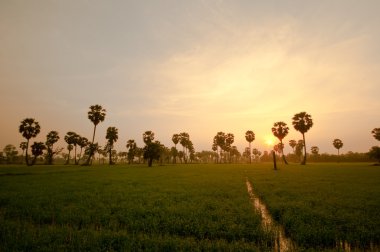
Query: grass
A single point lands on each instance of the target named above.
(185, 207)
(127, 208)
(322, 204)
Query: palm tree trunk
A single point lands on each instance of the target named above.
(282, 152)
(75, 154)
(26, 152)
(250, 155)
(274, 160)
(68, 158)
(304, 148)
(110, 156)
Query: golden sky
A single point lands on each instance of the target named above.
(194, 66)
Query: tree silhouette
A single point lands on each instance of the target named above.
(10, 153)
(152, 151)
(82, 142)
(175, 140)
(314, 150)
(293, 144)
(230, 138)
(69, 148)
(184, 140)
(51, 138)
(376, 133)
(132, 147)
(374, 153)
(302, 122)
(220, 141)
(148, 136)
(72, 138)
(96, 115)
(29, 128)
(281, 130)
(250, 137)
(37, 150)
(338, 144)
(111, 136)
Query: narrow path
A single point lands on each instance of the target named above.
(282, 243)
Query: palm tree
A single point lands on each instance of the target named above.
(82, 142)
(152, 151)
(250, 137)
(148, 136)
(230, 138)
(314, 150)
(280, 130)
(96, 115)
(302, 122)
(131, 146)
(29, 128)
(293, 144)
(111, 136)
(51, 138)
(184, 139)
(338, 144)
(175, 140)
(376, 133)
(220, 141)
(37, 150)
(73, 139)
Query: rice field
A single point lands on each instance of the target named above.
(186, 207)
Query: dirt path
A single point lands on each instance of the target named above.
(282, 243)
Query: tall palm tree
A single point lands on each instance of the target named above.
(184, 139)
(96, 115)
(111, 136)
(230, 138)
(29, 128)
(376, 133)
(51, 138)
(302, 122)
(175, 140)
(338, 144)
(280, 130)
(250, 137)
(220, 141)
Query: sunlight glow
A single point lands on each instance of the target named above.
(270, 140)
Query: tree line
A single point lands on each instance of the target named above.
(223, 150)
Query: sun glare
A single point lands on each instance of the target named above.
(269, 140)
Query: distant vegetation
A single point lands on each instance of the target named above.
(222, 148)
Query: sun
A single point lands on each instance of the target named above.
(270, 140)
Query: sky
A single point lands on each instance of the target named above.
(192, 66)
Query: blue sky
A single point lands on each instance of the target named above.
(194, 66)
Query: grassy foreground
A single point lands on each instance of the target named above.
(118, 208)
(185, 207)
(321, 205)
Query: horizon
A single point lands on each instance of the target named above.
(197, 67)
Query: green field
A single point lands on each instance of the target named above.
(186, 207)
